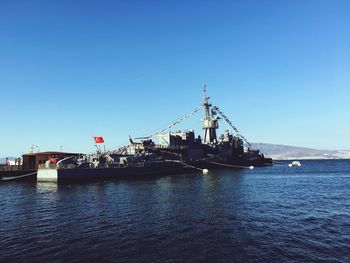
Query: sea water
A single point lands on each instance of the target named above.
(271, 214)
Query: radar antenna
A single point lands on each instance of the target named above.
(205, 98)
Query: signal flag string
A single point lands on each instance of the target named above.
(185, 117)
(232, 126)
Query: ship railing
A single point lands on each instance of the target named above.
(72, 166)
(55, 166)
(9, 168)
(66, 166)
(173, 147)
(141, 164)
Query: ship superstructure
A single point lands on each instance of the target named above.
(228, 148)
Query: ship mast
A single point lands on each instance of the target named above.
(209, 123)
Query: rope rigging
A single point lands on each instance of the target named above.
(185, 117)
(159, 131)
(232, 126)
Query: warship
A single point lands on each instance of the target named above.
(175, 152)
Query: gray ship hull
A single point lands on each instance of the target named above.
(83, 174)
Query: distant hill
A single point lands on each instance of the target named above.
(286, 152)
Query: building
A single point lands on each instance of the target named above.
(33, 160)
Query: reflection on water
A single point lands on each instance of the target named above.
(44, 187)
(270, 214)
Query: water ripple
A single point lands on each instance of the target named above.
(271, 214)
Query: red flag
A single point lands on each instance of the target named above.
(52, 160)
(98, 139)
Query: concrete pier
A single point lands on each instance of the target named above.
(47, 175)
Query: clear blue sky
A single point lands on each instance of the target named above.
(73, 69)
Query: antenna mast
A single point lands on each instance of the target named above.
(209, 123)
